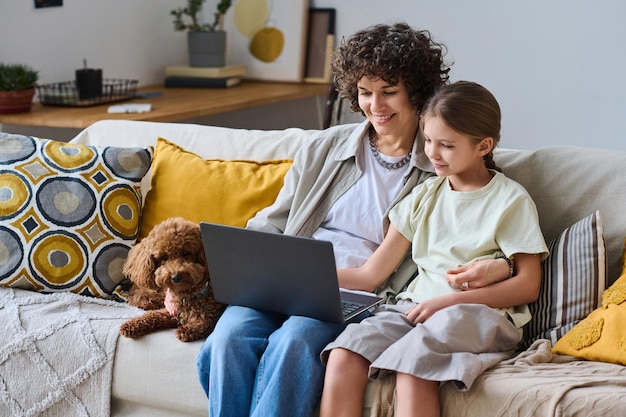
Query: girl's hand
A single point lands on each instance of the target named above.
(478, 274)
(379, 266)
(421, 312)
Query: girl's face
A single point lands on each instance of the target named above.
(387, 107)
(452, 154)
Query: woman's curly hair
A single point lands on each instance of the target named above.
(393, 53)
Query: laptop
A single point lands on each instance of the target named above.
(285, 274)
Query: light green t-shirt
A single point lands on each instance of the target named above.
(449, 228)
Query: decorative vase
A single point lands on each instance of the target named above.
(17, 101)
(207, 49)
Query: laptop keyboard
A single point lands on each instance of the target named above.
(349, 307)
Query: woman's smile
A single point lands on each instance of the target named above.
(382, 119)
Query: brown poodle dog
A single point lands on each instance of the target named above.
(171, 258)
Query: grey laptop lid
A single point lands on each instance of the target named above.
(275, 272)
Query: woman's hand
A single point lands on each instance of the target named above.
(169, 303)
(492, 287)
(478, 274)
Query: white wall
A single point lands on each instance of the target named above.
(127, 39)
(556, 66)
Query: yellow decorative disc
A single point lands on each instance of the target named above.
(68, 156)
(14, 194)
(250, 15)
(58, 260)
(267, 44)
(120, 211)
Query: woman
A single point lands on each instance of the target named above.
(341, 185)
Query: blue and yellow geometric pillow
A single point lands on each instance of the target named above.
(68, 214)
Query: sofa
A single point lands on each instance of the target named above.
(580, 195)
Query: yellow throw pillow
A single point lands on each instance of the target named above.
(217, 191)
(601, 336)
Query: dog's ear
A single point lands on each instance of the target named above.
(194, 235)
(139, 266)
(202, 257)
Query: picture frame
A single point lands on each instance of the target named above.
(48, 3)
(320, 45)
(269, 38)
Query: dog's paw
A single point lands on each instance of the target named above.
(184, 335)
(129, 330)
(190, 334)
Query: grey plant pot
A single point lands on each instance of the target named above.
(207, 49)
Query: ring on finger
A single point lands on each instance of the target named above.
(465, 285)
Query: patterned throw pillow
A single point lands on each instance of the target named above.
(68, 214)
(574, 277)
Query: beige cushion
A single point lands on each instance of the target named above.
(569, 183)
(158, 370)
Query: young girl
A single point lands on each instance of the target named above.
(440, 331)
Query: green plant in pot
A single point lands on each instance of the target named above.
(17, 87)
(206, 41)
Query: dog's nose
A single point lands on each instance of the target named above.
(176, 278)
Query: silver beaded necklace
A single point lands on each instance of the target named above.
(380, 160)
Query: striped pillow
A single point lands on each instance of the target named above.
(574, 277)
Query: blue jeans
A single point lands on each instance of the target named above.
(263, 364)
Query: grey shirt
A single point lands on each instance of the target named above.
(323, 169)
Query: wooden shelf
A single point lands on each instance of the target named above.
(175, 104)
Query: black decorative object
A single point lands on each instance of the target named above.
(66, 93)
(88, 82)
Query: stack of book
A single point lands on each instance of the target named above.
(196, 77)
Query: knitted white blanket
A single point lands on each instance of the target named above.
(56, 353)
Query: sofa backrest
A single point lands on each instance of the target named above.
(567, 183)
(209, 142)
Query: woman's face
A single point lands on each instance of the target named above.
(387, 107)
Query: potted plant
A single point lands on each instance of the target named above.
(17, 87)
(206, 41)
